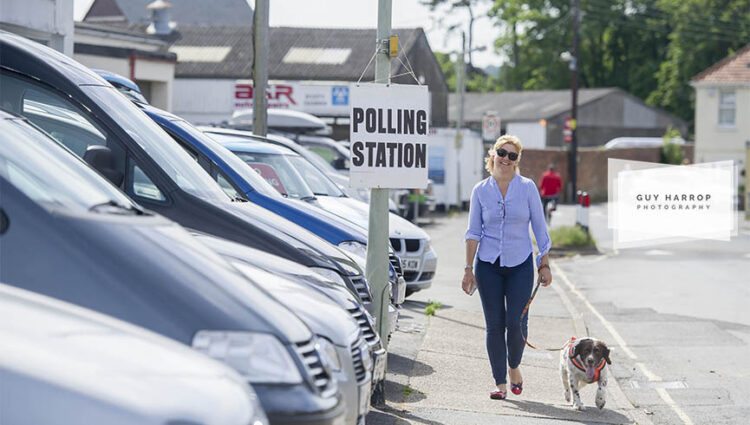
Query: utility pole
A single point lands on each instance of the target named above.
(260, 68)
(460, 93)
(377, 233)
(573, 159)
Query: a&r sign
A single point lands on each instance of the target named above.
(389, 133)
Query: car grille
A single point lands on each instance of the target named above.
(396, 244)
(410, 276)
(321, 379)
(358, 313)
(396, 262)
(360, 284)
(359, 368)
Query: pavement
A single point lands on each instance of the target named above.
(438, 370)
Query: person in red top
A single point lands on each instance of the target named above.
(549, 188)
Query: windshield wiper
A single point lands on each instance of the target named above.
(112, 207)
(238, 199)
(307, 198)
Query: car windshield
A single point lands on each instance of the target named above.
(278, 172)
(170, 157)
(42, 169)
(236, 164)
(320, 184)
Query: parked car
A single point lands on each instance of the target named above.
(234, 252)
(66, 365)
(339, 334)
(340, 179)
(298, 178)
(86, 114)
(104, 252)
(640, 142)
(240, 181)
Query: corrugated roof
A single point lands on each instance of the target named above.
(295, 53)
(184, 12)
(734, 69)
(360, 42)
(233, 43)
(522, 105)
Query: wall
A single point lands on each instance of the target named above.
(532, 134)
(203, 100)
(592, 165)
(47, 21)
(714, 143)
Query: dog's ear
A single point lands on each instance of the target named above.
(579, 346)
(605, 352)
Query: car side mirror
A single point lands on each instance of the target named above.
(102, 160)
(339, 163)
(4, 222)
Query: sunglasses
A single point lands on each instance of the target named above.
(511, 155)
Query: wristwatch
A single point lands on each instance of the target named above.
(468, 266)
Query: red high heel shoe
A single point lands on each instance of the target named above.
(516, 389)
(498, 395)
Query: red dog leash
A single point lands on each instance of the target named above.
(525, 312)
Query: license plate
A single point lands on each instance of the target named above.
(410, 264)
(364, 398)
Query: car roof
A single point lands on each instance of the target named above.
(252, 146)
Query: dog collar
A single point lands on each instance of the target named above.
(577, 363)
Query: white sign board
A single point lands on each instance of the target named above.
(389, 130)
(316, 99)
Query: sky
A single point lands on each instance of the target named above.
(363, 14)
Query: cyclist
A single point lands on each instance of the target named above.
(549, 188)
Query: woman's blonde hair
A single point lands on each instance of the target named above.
(502, 140)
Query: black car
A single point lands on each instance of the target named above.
(65, 232)
(80, 110)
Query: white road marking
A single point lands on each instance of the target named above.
(620, 340)
(623, 345)
(657, 252)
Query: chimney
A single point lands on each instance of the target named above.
(160, 17)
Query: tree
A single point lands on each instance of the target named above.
(469, 5)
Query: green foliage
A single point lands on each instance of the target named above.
(476, 81)
(570, 237)
(432, 307)
(671, 153)
(650, 48)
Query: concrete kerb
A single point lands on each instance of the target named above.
(579, 324)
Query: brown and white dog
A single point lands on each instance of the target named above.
(583, 361)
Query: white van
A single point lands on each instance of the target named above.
(64, 365)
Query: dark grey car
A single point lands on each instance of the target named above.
(66, 232)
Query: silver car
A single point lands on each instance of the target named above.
(65, 365)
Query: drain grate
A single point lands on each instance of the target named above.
(658, 384)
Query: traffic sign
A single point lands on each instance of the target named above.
(490, 126)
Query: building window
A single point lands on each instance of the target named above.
(727, 107)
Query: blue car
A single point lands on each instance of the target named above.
(240, 181)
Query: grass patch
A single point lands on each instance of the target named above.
(407, 391)
(571, 237)
(432, 307)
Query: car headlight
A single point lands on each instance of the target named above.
(329, 275)
(354, 247)
(327, 348)
(259, 358)
(426, 245)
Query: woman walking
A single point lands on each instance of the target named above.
(502, 206)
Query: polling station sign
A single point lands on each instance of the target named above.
(389, 132)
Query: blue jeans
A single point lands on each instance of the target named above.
(504, 292)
